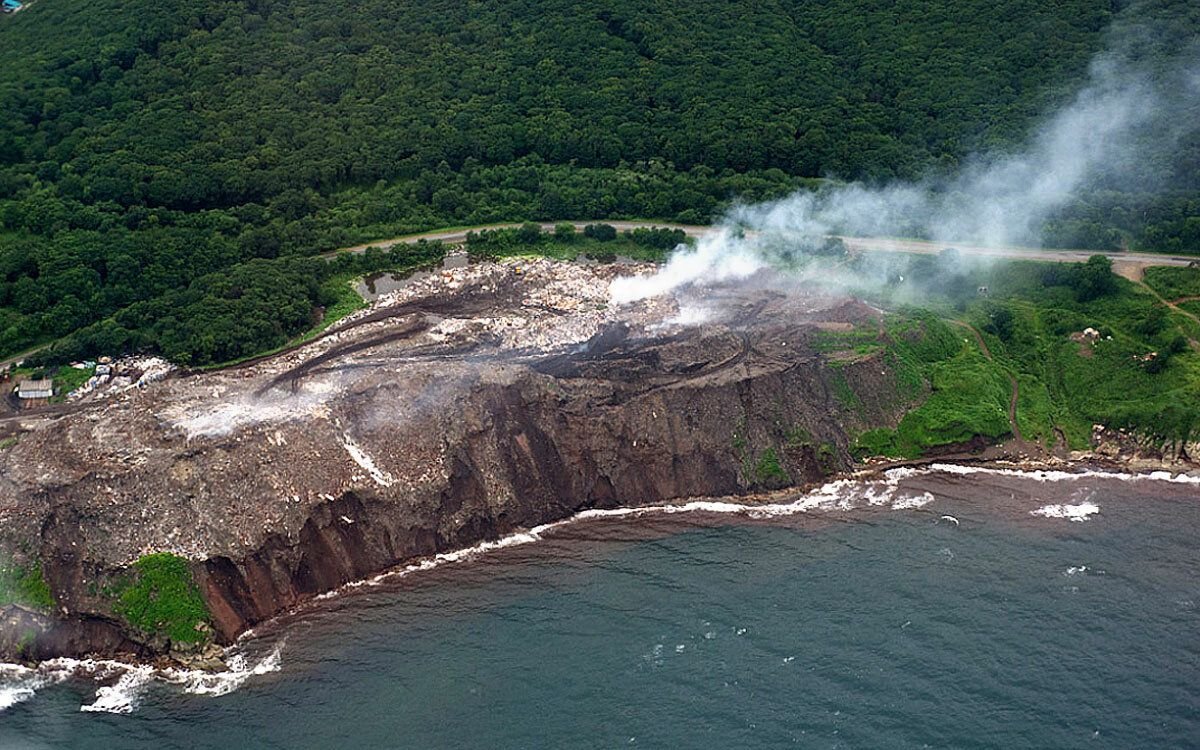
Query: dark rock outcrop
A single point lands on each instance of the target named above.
(280, 484)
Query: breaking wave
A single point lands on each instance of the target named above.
(18, 683)
(1077, 513)
(124, 684)
(839, 495)
(1053, 475)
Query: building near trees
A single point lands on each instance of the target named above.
(33, 391)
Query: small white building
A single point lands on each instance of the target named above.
(28, 390)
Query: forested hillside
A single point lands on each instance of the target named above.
(146, 145)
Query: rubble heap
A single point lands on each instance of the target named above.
(468, 404)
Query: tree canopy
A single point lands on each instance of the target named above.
(146, 145)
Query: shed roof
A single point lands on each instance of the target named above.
(28, 386)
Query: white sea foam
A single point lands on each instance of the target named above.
(838, 495)
(11, 695)
(1077, 513)
(1075, 570)
(915, 501)
(129, 681)
(196, 682)
(1048, 475)
(19, 683)
(123, 696)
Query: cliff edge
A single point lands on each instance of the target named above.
(470, 403)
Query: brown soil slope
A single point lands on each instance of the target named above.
(487, 399)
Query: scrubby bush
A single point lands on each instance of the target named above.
(162, 599)
(601, 232)
(529, 233)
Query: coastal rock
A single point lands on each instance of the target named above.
(426, 424)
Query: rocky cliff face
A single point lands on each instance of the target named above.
(460, 409)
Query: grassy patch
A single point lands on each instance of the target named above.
(25, 586)
(162, 599)
(843, 392)
(9, 442)
(969, 398)
(827, 458)
(968, 395)
(1028, 320)
(881, 441)
(798, 437)
(67, 379)
(863, 340)
(768, 470)
(344, 299)
(1173, 283)
(1027, 317)
(1035, 410)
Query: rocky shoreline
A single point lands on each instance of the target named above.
(486, 400)
(211, 656)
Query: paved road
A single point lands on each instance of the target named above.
(1130, 265)
(5, 364)
(1122, 261)
(455, 236)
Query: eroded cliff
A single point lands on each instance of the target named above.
(465, 406)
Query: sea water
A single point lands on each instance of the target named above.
(945, 609)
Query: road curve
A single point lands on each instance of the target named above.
(1122, 261)
(455, 236)
(1130, 265)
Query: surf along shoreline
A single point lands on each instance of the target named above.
(1015, 455)
(120, 682)
(1015, 458)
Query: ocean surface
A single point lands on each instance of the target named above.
(945, 609)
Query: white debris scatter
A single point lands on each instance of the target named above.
(382, 478)
(122, 375)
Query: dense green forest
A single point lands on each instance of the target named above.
(160, 157)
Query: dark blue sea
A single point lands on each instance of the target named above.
(996, 611)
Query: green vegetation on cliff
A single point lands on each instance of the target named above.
(166, 165)
(968, 394)
(1136, 368)
(25, 586)
(160, 598)
(769, 470)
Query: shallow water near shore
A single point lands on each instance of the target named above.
(1008, 611)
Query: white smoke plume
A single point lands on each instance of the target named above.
(995, 200)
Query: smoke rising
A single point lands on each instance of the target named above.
(1126, 114)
